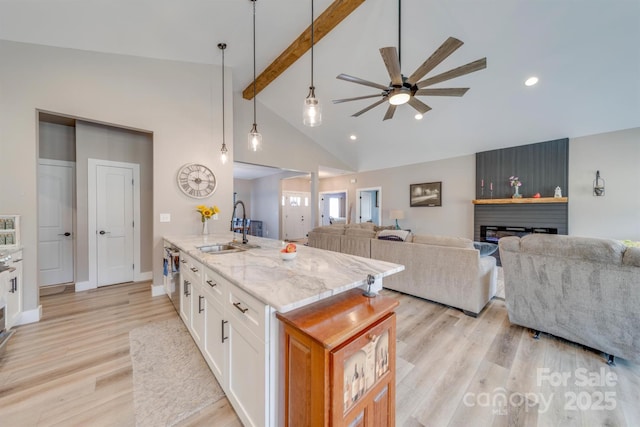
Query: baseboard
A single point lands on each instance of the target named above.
(157, 290)
(143, 277)
(84, 286)
(31, 316)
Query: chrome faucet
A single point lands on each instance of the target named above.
(244, 220)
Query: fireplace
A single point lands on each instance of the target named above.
(493, 233)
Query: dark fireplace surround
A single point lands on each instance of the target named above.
(541, 168)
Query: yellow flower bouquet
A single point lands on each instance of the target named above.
(207, 212)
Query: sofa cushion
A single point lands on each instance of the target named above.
(454, 242)
(395, 235)
(361, 225)
(359, 232)
(584, 248)
(330, 229)
(485, 248)
(384, 227)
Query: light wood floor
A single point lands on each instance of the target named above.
(73, 368)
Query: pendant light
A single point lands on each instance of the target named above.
(223, 151)
(255, 139)
(312, 111)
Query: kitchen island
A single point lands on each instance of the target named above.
(229, 303)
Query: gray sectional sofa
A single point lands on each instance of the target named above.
(585, 290)
(448, 270)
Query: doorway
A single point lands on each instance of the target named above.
(369, 205)
(333, 207)
(296, 214)
(56, 233)
(114, 218)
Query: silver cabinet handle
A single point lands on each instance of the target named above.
(200, 308)
(210, 283)
(186, 288)
(195, 270)
(223, 337)
(184, 261)
(237, 305)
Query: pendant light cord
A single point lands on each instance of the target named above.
(399, 34)
(222, 46)
(312, 85)
(254, 62)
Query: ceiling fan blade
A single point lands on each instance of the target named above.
(420, 106)
(392, 62)
(375, 104)
(480, 64)
(453, 91)
(338, 101)
(390, 111)
(360, 81)
(447, 48)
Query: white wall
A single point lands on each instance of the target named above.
(283, 146)
(453, 218)
(174, 100)
(615, 215)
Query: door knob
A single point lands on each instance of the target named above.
(67, 234)
(104, 232)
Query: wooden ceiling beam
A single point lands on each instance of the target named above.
(323, 24)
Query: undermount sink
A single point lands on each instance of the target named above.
(219, 248)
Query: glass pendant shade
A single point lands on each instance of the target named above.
(255, 139)
(224, 157)
(312, 111)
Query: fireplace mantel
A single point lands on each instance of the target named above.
(522, 200)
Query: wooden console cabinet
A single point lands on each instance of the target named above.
(339, 362)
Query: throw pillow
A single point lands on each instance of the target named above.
(397, 235)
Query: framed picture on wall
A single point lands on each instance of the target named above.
(426, 194)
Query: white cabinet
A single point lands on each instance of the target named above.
(247, 364)
(230, 328)
(13, 289)
(215, 347)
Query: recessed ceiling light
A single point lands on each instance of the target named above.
(353, 137)
(418, 116)
(531, 81)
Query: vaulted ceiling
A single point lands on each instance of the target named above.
(585, 54)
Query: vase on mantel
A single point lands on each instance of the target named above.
(516, 194)
(205, 228)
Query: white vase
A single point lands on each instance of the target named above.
(205, 227)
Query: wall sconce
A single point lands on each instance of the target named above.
(396, 214)
(598, 185)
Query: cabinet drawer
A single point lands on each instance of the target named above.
(214, 286)
(190, 266)
(248, 311)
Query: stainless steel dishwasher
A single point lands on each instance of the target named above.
(171, 270)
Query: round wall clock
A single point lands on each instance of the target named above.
(196, 181)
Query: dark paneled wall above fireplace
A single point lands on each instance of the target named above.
(541, 168)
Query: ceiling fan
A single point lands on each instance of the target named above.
(403, 89)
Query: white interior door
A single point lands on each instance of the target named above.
(365, 206)
(296, 215)
(114, 224)
(55, 222)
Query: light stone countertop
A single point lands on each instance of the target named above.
(313, 275)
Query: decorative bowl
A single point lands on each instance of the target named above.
(287, 256)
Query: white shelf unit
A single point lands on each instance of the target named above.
(9, 231)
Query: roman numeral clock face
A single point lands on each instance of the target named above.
(196, 181)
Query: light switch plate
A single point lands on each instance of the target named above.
(165, 217)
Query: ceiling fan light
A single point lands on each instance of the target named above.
(418, 116)
(399, 96)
